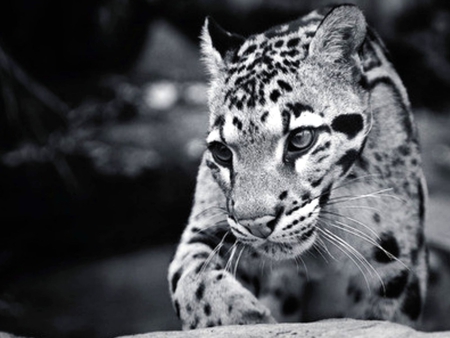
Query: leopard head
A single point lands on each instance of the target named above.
(289, 117)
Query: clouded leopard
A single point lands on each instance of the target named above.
(310, 196)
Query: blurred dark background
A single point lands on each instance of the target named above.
(102, 118)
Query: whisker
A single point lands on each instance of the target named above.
(356, 179)
(345, 251)
(360, 257)
(230, 259)
(346, 183)
(364, 207)
(325, 248)
(304, 265)
(356, 232)
(213, 207)
(213, 253)
(376, 194)
(363, 235)
(352, 220)
(205, 229)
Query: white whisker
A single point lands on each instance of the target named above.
(213, 253)
(352, 220)
(358, 256)
(230, 259)
(345, 251)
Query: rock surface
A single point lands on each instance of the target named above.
(325, 329)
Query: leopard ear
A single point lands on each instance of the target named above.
(340, 34)
(215, 43)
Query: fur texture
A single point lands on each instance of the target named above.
(310, 198)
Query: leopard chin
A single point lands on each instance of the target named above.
(288, 249)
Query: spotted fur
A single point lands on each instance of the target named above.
(310, 198)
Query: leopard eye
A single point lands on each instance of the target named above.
(222, 155)
(301, 140)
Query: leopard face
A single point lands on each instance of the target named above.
(289, 118)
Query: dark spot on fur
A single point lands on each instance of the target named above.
(293, 42)
(421, 202)
(290, 305)
(177, 308)
(219, 121)
(279, 43)
(355, 292)
(230, 308)
(395, 287)
(352, 176)
(284, 85)
(292, 211)
(286, 120)
(325, 196)
(307, 234)
(298, 108)
(275, 95)
(250, 49)
(207, 309)
(283, 195)
(389, 243)
(237, 123)
(264, 116)
(200, 292)
(350, 124)
(175, 278)
(306, 196)
(347, 160)
(376, 217)
(412, 303)
(317, 182)
(194, 324)
(404, 150)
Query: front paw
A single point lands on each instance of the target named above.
(219, 299)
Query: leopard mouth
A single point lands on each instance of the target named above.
(289, 249)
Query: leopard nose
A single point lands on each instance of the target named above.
(260, 227)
